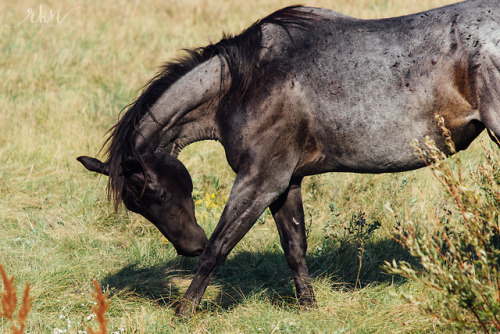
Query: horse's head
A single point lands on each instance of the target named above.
(159, 188)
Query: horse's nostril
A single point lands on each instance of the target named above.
(194, 253)
(199, 251)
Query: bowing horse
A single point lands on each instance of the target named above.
(301, 92)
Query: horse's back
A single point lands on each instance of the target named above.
(367, 88)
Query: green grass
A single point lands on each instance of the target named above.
(64, 84)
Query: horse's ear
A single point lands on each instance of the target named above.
(132, 166)
(94, 165)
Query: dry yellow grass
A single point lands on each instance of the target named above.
(63, 85)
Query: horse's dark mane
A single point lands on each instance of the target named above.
(239, 53)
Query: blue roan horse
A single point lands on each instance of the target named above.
(301, 92)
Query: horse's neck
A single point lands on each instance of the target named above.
(185, 112)
(199, 124)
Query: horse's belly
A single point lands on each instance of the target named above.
(366, 146)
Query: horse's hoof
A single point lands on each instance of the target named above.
(184, 311)
(308, 304)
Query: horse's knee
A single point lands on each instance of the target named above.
(296, 257)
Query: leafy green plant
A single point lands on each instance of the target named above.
(458, 248)
(351, 235)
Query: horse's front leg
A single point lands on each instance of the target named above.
(249, 197)
(288, 214)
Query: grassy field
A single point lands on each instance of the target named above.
(67, 69)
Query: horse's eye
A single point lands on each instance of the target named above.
(163, 195)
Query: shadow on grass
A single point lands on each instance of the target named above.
(265, 274)
(160, 283)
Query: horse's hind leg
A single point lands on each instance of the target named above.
(490, 95)
(288, 214)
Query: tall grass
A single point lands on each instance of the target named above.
(459, 247)
(64, 84)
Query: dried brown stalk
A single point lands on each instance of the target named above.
(9, 302)
(100, 310)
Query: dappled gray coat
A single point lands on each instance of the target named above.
(301, 92)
